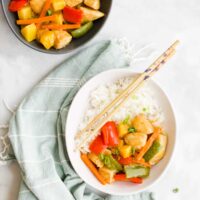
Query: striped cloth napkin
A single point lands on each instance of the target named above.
(37, 129)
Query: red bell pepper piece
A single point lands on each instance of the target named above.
(110, 134)
(16, 5)
(137, 180)
(72, 15)
(97, 146)
(125, 161)
(122, 177)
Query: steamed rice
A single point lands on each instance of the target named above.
(142, 101)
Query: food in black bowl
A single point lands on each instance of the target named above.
(56, 26)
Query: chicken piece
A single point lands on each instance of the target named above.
(95, 159)
(62, 39)
(73, 3)
(37, 5)
(142, 124)
(95, 4)
(137, 140)
(107, 174)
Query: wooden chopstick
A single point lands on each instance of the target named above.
(103, 116)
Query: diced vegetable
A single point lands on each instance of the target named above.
(97, 146)
(39, 33)
(95, 4)
(59, 18)
(110, 134)
(115, 151)
(25, 13)
(122, 129)
(150, 141)
(62, 39)
(49, 12)
(16, 5)
(107, 174)
(37, 5)
(137, 140)
(73, 3)
(29, 32)
(95, 159)
(131, 130)
(58, 5)
(91, 15)
(154, 149)
(47, 39)
(157, 150)
(122, 177)
(142, 124)
(121, 143)
(110, 162)
(125, 151)
(82, 30)
(126, 120)
(93, 169)
(136, 171)
(72, 15)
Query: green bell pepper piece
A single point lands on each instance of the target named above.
(110, 162)
(82, 30)
(154, 149)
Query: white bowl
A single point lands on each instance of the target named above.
(75, 115)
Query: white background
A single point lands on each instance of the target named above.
(142, 22)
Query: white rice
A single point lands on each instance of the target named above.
(142, 101)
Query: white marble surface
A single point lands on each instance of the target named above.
(142, 22)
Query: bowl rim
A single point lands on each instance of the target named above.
(53, 52)
(171, 157)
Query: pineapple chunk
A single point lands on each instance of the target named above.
(39, 33)
(37, 5)
(142, 124)
(47, 39)
(73, 3)
(25, 13)
(58, 5)
(95, 159)
(122, 129)
(59, 18)
(62, 39)
(91, 15)
(95, 4)
(125, 151)
(121, 143)
(107, 174)
(29, 32)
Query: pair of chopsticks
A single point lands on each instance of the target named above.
(105, 115)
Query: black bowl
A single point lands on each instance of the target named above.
(98, 24)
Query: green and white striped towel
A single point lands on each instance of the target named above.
(37, 129)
